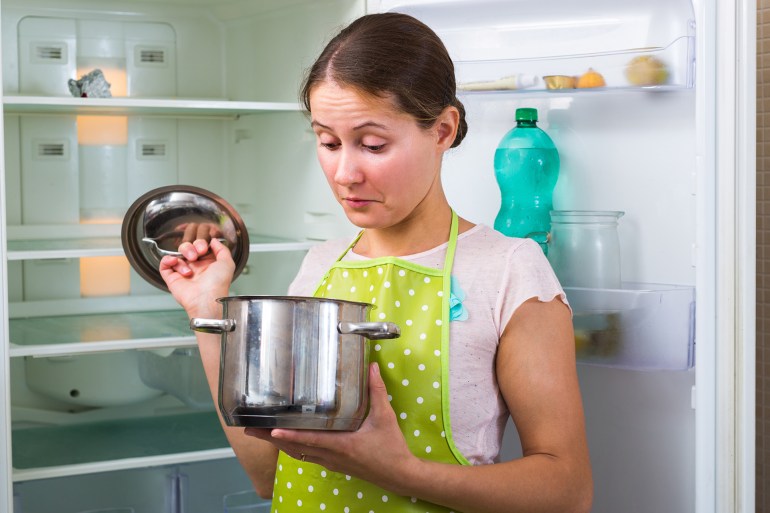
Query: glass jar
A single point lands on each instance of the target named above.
(584, 249)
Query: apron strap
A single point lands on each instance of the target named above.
(350, 246)
(451, 245)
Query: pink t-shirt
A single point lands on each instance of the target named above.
(497, 274)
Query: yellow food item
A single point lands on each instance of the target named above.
(582, 341)
(646, 70)
(559, 82)
(591, 78)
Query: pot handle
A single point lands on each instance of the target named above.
(212, 325)
(371, 330)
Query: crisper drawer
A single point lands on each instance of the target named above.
(86, 413)
(641, 326)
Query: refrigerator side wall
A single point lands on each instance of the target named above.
(6, 487)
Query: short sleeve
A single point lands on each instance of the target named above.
(528, 274)
(315, 264)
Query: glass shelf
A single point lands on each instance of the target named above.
(130, 442)
(63, 248)
(140, 106)
(81, 334)
(81, 247)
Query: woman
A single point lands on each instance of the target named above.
(485, 325)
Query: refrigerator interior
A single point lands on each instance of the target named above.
(80, 317)
(106, 389)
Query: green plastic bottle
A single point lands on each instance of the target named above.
(526, 169)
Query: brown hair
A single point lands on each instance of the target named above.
(396, 55)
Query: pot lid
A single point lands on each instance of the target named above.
(155, 225)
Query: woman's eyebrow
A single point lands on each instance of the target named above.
(367, 124)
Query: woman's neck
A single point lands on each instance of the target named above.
(416, 234)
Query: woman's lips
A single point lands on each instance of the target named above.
(357, 202)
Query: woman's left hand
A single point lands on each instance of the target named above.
(377, 452)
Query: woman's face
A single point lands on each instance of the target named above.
(382, 167)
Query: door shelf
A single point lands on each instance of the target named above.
(72, 447)
(176, 107)
(83, 247)
(479, 76)
(642, 326)
(82, 334)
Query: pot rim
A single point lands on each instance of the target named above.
(292, 299)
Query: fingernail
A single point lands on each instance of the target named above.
(376, 367)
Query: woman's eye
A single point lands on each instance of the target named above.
(375, 147)
(330, 145)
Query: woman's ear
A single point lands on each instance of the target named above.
(446, 127)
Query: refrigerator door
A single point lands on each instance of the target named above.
(625, 147)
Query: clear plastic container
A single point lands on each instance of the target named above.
(642, 326)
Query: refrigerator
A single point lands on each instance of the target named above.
(104, 406)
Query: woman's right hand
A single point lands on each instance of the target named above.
(202, 276)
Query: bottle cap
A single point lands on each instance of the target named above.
(526, 114)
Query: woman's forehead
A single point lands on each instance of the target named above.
(330, 90)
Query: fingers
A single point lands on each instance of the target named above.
(204, 232)
(190, 232)
(193, 250)
(297, 450)
(195, 240)
(170, 265)
(220, 250)
(378, 393)
(261, 433)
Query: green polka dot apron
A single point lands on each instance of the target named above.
(414, 368)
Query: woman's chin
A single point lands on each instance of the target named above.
(364, 220)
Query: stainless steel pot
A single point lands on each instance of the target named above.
(294, 362)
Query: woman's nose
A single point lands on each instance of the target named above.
(348, 169)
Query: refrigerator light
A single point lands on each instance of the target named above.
(104, 276)
(102, 130)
